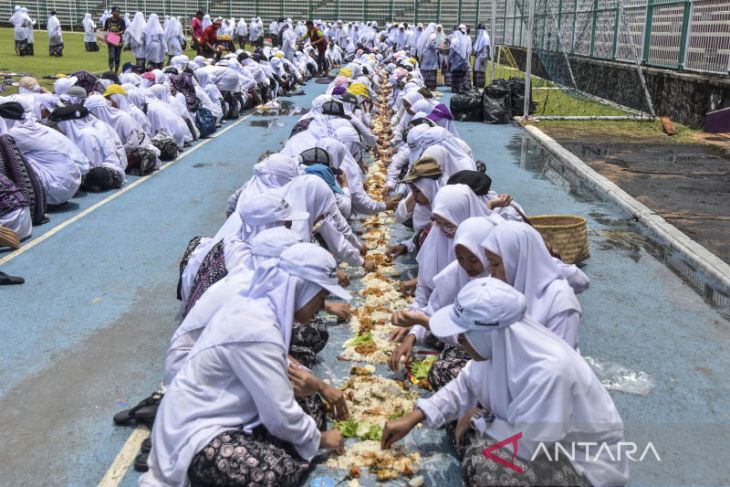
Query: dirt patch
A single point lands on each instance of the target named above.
(687, 184)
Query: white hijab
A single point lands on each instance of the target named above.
(455, 203)
(470, 235)
(137, 28)
(311, 194)
(153, 27)
(273, 172)
(531, 270)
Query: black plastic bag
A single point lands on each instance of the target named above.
(497, 104)
(517, 88)
(467, 106)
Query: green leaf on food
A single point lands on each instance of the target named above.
(362, 339)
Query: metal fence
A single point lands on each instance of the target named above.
(679, 34)
(676, 34)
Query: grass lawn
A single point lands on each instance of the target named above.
(75, 58)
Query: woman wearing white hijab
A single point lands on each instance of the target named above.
(55, 37)
(482, 47)
(522, 380)
(233, 398)
(107, 170)
(59, 164)
(241, 32)
(89, 33)
(268, 244)
(137, 144)
(206, 21)
(428, 58)
(121, 98)
(288, 41)
(135, 31)
(459, 59)
(174, 39)
(254, 31)
(163, 117)
(471, 263)
(154, 43)
(273, 172)
(518, 256)
(233, 250)
(452, 205)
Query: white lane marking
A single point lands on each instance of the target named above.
(124, 459)
(116, 195)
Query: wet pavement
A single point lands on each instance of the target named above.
(687, 184)
(88, 331)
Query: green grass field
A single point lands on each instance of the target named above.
(75, 58)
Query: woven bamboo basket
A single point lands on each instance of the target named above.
(567, 234)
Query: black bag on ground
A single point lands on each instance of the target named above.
(467, 106)
(517, 89)
(496, 104)
(205, 121)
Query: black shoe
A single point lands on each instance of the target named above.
(146, 445)
(143, 413)
(140, 462)
(6, 280)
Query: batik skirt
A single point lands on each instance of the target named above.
(447, 366)
(480, 78)
(212, 269)
(478, 470)
(459, 81)
(429, 78)
(308, 340)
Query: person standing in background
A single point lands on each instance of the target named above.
(482, 54)
(115, 25)
(55, 39)
(89, 33)
(196, 28)
(319, 42)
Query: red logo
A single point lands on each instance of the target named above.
(487, 452)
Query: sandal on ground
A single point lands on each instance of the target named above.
(140, 462)
(144, 412)
(146, 445)
(9, 238)
(6, 280)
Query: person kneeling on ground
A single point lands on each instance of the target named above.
(522, 381)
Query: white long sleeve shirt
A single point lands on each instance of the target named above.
(221, 388)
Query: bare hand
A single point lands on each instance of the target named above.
(369, 265)
(395, 251)
(396, 429)
(404, 350)
(337, 402)
(363, 249)
(500, 201)
(407, 287)
(342, 278)
(464, 424)
(407, 317)
(342, 311)
(399, 334)
(332, 440)
(304, 383)
(392, 203)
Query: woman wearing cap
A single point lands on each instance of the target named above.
(471, 263)
(230, 415)
(155, 46)
(213, 260)
(518, 255)
(522, 380)
(273, 172)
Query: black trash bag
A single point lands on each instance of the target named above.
(517, 88)
(496, 104)
(467, 106)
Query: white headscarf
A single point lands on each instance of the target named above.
(455, 203)
(470, 235)
(461, 44)
(137, 28)
(273, 172)
(153, 26)
(482, 40)
(531, 270)
(309, 193)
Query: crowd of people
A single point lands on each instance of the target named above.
(239, 403)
